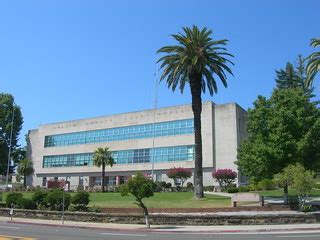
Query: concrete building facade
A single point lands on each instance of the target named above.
(162, 138)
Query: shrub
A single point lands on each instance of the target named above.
(179, 175)
(26, 203)
(94, 209)
(266, 184)
(168, 185)
(31, 189)
(18, 188)
(317, 186)
(80, 201)
(158, 187)
(208, 188)
(116, 189)
(72, 208)
(54, 199)
(251, 187)
(0, 196)
(163, 184)
(13, 198)
(244, 189)
(39, 197)
(232, 190)
(224, 177)
(81, 198)
(307, 208)
(79, 188)
(190, 186)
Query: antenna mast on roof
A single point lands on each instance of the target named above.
(155, 105)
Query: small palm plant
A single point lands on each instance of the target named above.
(313, 65)
(25, 169)
(197, 61)
(103, 157)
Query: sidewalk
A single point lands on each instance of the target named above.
(222, 194)
(163, 228)
(273, 200)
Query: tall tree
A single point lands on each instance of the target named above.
(287, 78)
(313, 65)
(294, 76)
(25, 169)
(282, 130)
(199, 61)
(8, 107)
(103, 157)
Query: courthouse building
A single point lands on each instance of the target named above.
(140, 141)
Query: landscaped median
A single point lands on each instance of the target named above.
(219, 218)
(165, 208)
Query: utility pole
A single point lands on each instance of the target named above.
(155, 103)
(63, 202)
(10, 146)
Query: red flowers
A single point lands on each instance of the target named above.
(224, 177)
(179, 175)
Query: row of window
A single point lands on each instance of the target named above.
(158, 155)
(171, 128)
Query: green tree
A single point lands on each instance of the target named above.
(54, 199)
(199, 61)
(285, 179)
(313, 65)
(140, 187)
(103, 157)
(287, 78)
(8, 107)
(300, 179)
(282, 130)
(293, 76)
(25, 169)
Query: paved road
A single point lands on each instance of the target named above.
(25, 231)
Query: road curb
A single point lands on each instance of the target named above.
(164, 230)
(83, 227)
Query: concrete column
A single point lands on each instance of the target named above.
(117, 180)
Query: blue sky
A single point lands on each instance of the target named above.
(66, 60)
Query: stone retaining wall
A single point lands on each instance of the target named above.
(167, 219)
(137, 211)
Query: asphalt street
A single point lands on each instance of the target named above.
(26, 231)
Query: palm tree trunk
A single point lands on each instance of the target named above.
(103, 177)
(195, 87)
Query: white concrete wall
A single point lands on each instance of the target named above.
(219, 136)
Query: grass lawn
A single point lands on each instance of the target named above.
(170, 199)
(292, 192)
(159, 200)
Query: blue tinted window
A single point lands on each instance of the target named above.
(172, 128)
(135, 156)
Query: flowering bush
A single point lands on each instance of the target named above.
(179, 175)
(224, 177)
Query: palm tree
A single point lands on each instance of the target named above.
(197, 60)
(25, 168)
(103, 157)
(313, 65)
